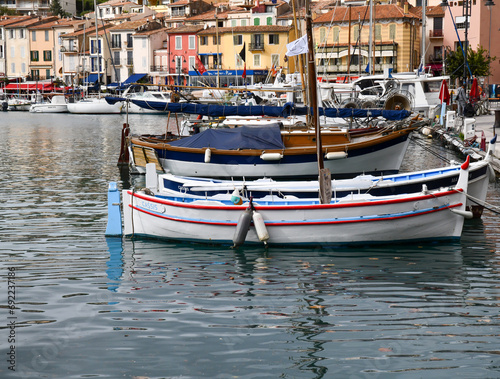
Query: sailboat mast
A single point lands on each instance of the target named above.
(97, 46)
(370, 41)
(424, 5)
(312, 86)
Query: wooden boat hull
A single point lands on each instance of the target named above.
(352, 220)
(378, 153)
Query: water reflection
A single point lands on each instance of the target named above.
(115, 262)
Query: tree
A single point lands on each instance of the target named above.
(57, 9)
(479, 63)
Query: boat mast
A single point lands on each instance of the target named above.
(324, 177)
(217, 41)
(301, 60)
(424, 22)
(97, 47)
(370, 41)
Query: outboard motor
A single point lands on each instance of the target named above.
(5, 106)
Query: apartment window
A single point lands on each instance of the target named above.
(269, 21)
(33, 36)
(34, 56)
(116, 58)
(1, 51)
(203, 40)
(1, 33)
(12, 34)
(215, 40)
(392, 31)
(23, 52)
(378, 32)
(274, 39)
(46, 35)
(233, 23)
(243, 22)
(12, 67)
(256, 21)
(35, 74)
(130, 58)
(275, 60)
(336, 34)
(116, 41)
(356, 32)
(192, 44)
(22, 33)
(23, 68)
(238, 39)
(256, 60)
(257, 42)
(47, 55)
(192, 63)
(130, 43)
(322, 35)
(47, 74)
(178, 42)
(12, 52)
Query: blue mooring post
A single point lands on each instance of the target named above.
(114, 227)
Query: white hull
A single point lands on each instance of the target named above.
(49, 108)
(398, 219)
(94, 106)
(355, 218)
(386, 160)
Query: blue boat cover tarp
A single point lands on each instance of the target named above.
(92, 78)
(244, 137)
(289, 109)
(133, 78)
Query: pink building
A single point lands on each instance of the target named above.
(483, 30)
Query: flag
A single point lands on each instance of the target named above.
(273, 69)
(367, 69)
(299, 46)
(243, 53)
(201, 67)
(444, 94)
(244, 75)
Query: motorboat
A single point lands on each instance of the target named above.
(57, 104)
(97, 105)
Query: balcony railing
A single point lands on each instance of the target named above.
(256, 46)
(436, 33)
(159, 68)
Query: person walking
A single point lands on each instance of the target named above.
(461, 99)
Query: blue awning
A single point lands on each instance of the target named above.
(92, 78)
(133, 78)
(209, 54)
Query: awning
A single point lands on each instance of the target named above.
(92, 78)
(133, 78)
(30, 86)
(209, 54)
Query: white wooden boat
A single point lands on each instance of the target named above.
(352, 219)
(480, 174)
(57, 104)
(94, 106)
(19, 104)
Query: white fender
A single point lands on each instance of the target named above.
(271, 156)
(260, 227)
(208, 155)
(336, 155)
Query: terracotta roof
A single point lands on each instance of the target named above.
(26, 23)
(383, 11)
(179, 2)
(61, 22)
(193, 29)
(247, 29)
(89, 31)
(149, 32)
(435, 11)
(6, 20)
(132, 25)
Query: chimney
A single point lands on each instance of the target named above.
(406, 8)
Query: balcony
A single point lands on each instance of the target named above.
(437, 33)
(160, 68)
(256, 46)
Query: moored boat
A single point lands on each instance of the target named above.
(94, 106)
(57, 104)
(352, 219)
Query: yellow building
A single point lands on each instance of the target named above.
(264, 48)
(395, 35)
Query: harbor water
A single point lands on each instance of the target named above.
(74, 304)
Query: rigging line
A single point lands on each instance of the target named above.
(456, 31)
(326, 38)
(429, 150)
(488, 206)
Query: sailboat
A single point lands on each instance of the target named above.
(95, 105)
